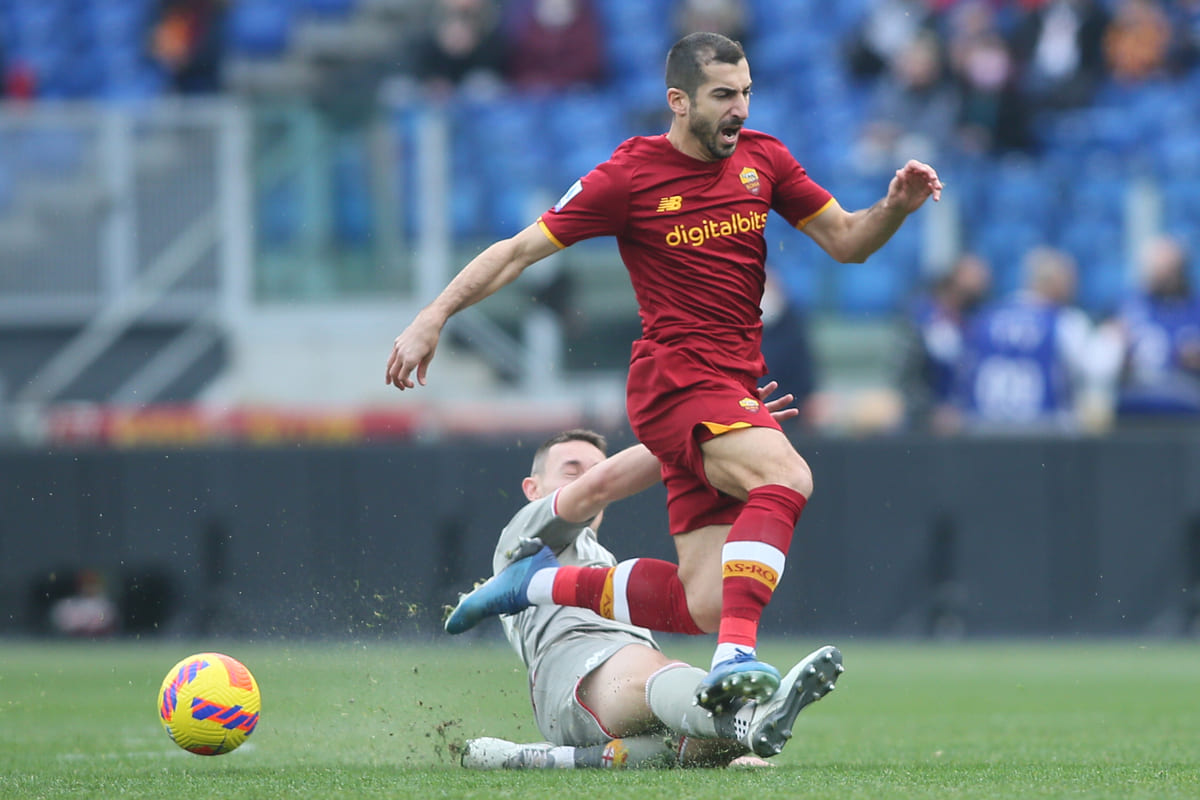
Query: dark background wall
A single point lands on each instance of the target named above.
(910, 536)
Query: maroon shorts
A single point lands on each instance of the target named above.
(675, 402)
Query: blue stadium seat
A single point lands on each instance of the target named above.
(329, 8)
(876, 286)
(352, 222)
(584, 122)
(1098, 198)
(797, 261)
(1022, 193)
(640, 52)
(623, 17)
(784, 16)
(1003, 244)
(259, 28)
(78, 76)
(469, 215)
(1181, 200)
(511, 206)
(122, 23)
(1102, 285)
(774, 55)
(1178, 153)
(33, 23)
(1099, 252)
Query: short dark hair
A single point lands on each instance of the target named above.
(573, 435)
(691, 54)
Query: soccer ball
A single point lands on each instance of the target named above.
(209, 704)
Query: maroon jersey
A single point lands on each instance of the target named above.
(691, 235)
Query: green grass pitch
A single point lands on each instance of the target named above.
(1025, 719)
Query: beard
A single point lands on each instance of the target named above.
(709, 135)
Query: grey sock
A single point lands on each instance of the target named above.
(651, 751)
(671, 694)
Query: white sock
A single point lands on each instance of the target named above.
(727, 650)
(541, 587)
(564, 757)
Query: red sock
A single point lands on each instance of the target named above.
(641, 591)
(753, 560)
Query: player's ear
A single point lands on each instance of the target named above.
(530, 487)
(678, 101)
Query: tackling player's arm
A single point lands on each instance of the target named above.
(494, 268)
(621, 475)
(852, 236)
(635, 469)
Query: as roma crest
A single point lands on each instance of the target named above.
(749, 179)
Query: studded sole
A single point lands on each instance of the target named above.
(818, 677)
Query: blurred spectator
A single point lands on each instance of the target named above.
(555, 44)
(887, 29)
(1137, 41)
(913, 109)
(726, 17)
(1160, 326)
(1034, 362)
(187, 41)
(787, 348)
(992, 114)
(1059, 46)
(87, 612)
(931, 345)
(462, 47)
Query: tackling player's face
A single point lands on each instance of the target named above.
(720, 108)
(565, 462)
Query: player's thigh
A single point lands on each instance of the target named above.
(565, 685)
(615, 691)
(740, 460)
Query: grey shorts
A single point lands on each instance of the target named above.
(560, 716)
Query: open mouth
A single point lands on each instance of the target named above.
(729, 133)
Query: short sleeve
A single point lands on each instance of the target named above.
(796, 196)
(595, 205)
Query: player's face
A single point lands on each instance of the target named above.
(720, 108)
(565, 462)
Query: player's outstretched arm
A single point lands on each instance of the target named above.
(495, 267)
(621, 475)
(852, 236)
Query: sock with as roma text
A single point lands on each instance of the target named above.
(752, 563)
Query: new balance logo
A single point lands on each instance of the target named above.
(673, 203)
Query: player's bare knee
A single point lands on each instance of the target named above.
(799, 478)
(794, 473)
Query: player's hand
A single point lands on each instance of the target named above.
(412, 350)
(781, 407)
(912, 185)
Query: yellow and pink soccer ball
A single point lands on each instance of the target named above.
(209, 704)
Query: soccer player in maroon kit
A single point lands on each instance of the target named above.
(688, 209)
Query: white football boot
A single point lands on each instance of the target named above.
(765, 727)
(491, 753)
